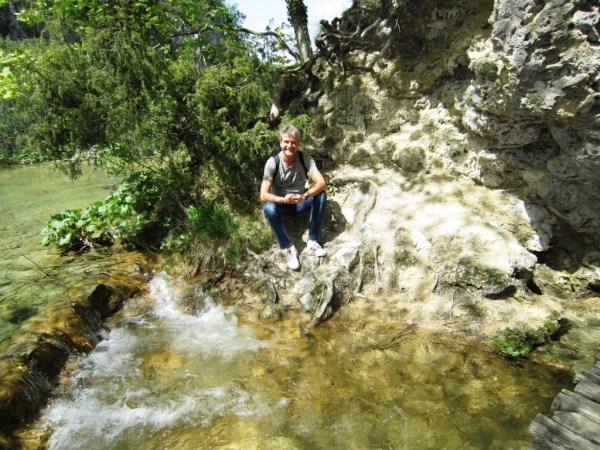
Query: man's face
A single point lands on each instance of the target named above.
(289, 145)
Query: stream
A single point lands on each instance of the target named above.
(222, 379)
(168, 375)
(32, 276)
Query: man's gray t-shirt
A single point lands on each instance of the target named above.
(289, 180)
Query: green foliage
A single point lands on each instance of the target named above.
(211, 222)
(136, 212)
(316, 291)
(13, 123)
(248, 236)
(227, 100)
(69, 229)
(332, 188)
(9, 56)
(107, 74)
(569, 276)
(297, 11)
(317, 295)
(162, 18)
(14, 120)
(212, 233)
(519, 344)
(513, 343)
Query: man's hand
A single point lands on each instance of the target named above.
(294, 199)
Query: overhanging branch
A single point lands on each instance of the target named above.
(276, 34)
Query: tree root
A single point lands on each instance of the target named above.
(270, 309)
(326, 299)
(373, 245)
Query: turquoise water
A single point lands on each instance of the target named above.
(33, 276)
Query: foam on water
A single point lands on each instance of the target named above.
(163, 370)
(216, 328)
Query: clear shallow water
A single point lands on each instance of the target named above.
(221, 379)
(30, 195)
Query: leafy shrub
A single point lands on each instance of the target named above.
(74, 228)
(513, 343)
(13, 123)
(131, 213)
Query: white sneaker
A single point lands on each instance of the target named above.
(292, 257)
(314, 247)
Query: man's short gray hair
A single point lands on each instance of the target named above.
(290, 130)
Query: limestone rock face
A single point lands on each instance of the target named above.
(505, 93)
(463, 138)
(535, 100)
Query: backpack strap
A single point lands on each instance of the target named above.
(303, 165)
(276, 158)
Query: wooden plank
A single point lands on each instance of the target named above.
(596, 368)
(589, 429)
(570, 402)
(586, 375)
(552, 434)
(589, 390)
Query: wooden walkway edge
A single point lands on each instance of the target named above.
(575, 423)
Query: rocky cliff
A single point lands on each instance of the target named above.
(460, 140)
(505, 94)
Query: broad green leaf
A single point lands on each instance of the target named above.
(65, 240)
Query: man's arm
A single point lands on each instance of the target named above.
(319, 183)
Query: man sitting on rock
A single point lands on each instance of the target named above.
(283, 190)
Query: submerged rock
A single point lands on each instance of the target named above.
(34, 357)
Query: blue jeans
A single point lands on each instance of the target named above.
(275, 214)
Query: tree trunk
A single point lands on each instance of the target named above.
(299, 19)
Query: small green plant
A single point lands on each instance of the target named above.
(570, 277)
(332, 188)
(519, 344)
(513, 343)
(211, 222)
(316, 293)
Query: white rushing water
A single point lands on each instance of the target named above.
(163, 370)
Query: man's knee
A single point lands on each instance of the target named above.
(321, 196)
(270, 209)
